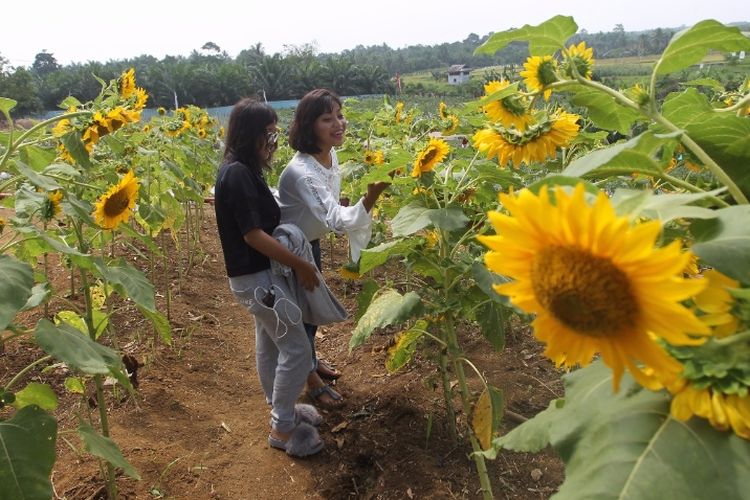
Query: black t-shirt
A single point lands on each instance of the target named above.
(243, 202)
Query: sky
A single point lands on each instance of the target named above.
(82, 31)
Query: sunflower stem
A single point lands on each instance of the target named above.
(458, 367)
(737, 338)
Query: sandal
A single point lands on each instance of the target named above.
(307, 414)
(303, 442)
(327, 370)
(315, 395)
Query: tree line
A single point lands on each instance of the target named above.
(209, 77)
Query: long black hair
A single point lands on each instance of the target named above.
(246, 133)
(313, 104)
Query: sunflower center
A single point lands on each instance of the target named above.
(116, 204)
(428, 156)
(588, 294)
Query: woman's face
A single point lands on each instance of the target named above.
(329, 128)
(270, 142)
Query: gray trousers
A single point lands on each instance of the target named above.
(282, 349)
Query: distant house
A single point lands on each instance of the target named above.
(458, 74)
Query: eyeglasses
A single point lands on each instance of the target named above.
(272, 140)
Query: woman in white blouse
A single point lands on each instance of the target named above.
(309, 197)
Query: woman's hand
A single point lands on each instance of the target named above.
(374, 190)
(307, 275)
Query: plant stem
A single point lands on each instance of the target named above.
(24, 371)
(458, 367)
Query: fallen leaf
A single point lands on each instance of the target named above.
(340, 427)
(226, 427)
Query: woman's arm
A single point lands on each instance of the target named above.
(268, 246)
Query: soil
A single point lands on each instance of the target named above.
(198, 425)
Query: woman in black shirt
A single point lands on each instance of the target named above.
(246, 215)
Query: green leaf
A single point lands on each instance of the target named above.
(665, 206)
(691, 45)
(491, 319)
(36, 157)
(77, 150)
(544, 39)
(160, 322)
(724, 242)
(627, 446)
(6, 105)
(77, 350)
(373, 257)
(103, 447)
(388, 308)
(488, 412)
(603, 109)
(27, 442)
(38, 394)
(39, 294)
(635, 155)
(401, 352)
(552, 180)
(16, 282)
(75, 385)
(415, 216)
(486, 279)
(724, 136)
(129, 281)
(369, 289)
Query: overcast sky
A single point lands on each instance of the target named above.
(81, 31)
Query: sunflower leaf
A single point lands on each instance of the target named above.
(488, 412)
(388, 308)
(6, 105)
(624, 158)
(103, 447)
(401, 352)
(373, 257)
(544, 39)
(603, 109)
(626, 445)
(691, 45)
(724, 242)
(16, 283)
(28, 440)
(414, 216)
(724, 136)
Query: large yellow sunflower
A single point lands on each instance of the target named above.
(596, 284)
(435, 151)
(716, 302)
(537, 143)
(117, 204)
(581, 57)
(127, 83)
(539, 72)
(511, 111)
(721, 410)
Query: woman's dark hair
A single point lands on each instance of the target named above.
(246, 132)
(310, 107)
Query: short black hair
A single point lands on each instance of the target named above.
(246, 132)
(310, 107)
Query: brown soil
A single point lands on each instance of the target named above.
(197, 428)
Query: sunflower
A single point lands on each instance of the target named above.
(161, 111)
(716, 302)
(2, 225)
(61, 128)
(127, 83)
(721, 410)
(202, 133)
(595, 283)
(141, 97)
(581, 57)
(443, 110)
(117, 204)
(399, 109)
(374, 157)
(511, 111)
(540, 71)
(452, 124)
(51, 205)
(435, 151)
(537, 143)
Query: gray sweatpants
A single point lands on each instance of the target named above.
(282, 350)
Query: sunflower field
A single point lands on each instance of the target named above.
(614, 222)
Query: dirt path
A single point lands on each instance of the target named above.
(197, 428)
